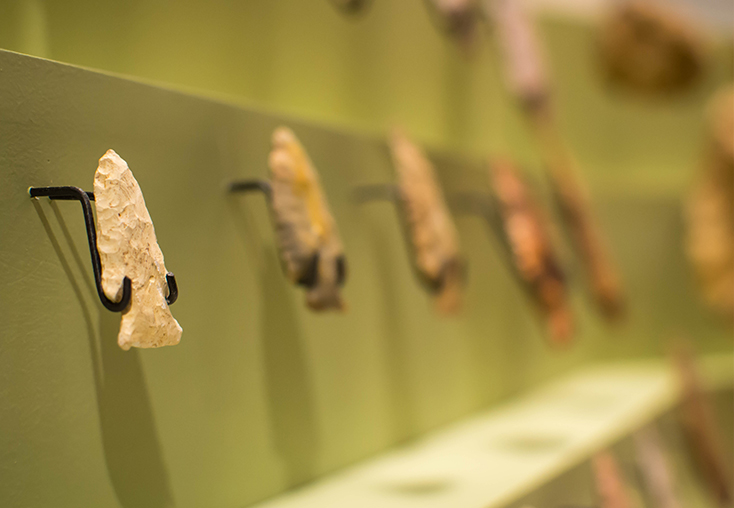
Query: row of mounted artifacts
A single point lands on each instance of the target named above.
(132, 277)
(128, 264)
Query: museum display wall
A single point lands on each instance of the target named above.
(389, 402)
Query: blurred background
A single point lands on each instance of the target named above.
(263, 396)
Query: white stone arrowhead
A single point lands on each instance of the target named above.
(127, 247)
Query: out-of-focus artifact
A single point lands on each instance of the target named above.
(656, 472)
(429, 227)
(351, 6)
(458, 18)
(710, 210)
(586, 235)
(648, 47)
(306, 234)
(610, 483)
(528, 238)
(701, 431)
(527, 79)
(522, 61)
(128, 248)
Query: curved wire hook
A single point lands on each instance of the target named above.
(69, 193)
(310, 276)
(486, 207)
(390, 193)
(251, 185)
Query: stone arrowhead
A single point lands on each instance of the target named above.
(127, 247)
(307, 236)
(431, 230)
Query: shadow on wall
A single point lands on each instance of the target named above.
(394, 343)
(289, 392)
(129, 437)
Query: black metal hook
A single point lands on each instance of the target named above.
(310, 276)
(69, 193)
(376, 192)
(486, 207)
(391, 193)
(251, 185)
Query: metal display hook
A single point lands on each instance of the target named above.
(250, 186)
(390, 193)
(69, 193)
(485, 206)
(310, 275)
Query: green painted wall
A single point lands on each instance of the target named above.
(388, 65)
(261, 394)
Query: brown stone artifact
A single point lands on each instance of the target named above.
(457, 17)
(648, 47)
(522, 60)
(576, 211)
(526, 77)
(526, 231)
(127, 247)
(655, 468)
(430, 229)
(350, 6)
(701, 431)
(710, 210)
(610, 483)
(307, 237)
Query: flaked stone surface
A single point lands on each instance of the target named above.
(308, 240)
(431, 230)
(458, 18)
(710, 210)
(127, 247)
(527, 231)
(648, 47)
(523, 60)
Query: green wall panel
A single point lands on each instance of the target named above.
(261, 394)
(367, 72)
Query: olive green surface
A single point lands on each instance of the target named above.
(386, 65)
(261, 394)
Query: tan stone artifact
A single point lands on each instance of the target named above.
(523, 64)
(430, 228)
(648, 47)
(307, 236)
(527, 78)
(127, 247)
(701, 430)
(710, 210)
(528, 238)
(655, 467)
(458, 18)
(610, 484)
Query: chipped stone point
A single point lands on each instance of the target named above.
(306, 232)
(127, 247)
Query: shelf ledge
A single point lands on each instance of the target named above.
(494, 458)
